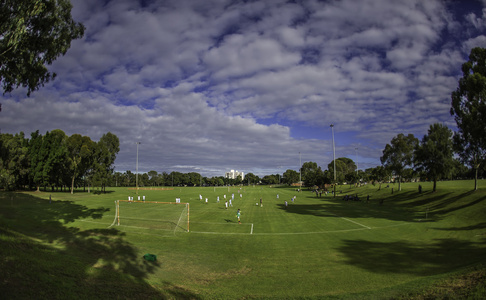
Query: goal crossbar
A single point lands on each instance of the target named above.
(117, 212)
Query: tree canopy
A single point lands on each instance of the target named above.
(33, 33)
(469, 111)
(433, 155)
(55, 159)
(398, 155)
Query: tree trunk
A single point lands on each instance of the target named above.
(476, 179)
(435, 185)
(399, 183)
(72, 186)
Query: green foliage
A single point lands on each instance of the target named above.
(399, 154)
(312, 174)
(104, 158)
(54, 159)
(469, 111)
(80, 151)
(290, 176)
(14, 160)
(433, 155)
(34, 34)
(345, 170)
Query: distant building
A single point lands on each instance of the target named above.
(234, 174)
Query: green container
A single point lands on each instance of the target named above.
(150, 257)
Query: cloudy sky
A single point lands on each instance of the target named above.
(209, 86)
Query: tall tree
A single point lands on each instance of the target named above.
(311, 174)
(378, 174)
(469, 111)
(105, 154)
(251, 178)
(56, 165)
(290, 176)
(398, 155)
(14, 160)
(344, 166)
(434, 153)
(34, 33)
(80, 153)
(38, 153)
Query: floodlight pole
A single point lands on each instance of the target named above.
(300, 172)
(356, 161)
(136, 175)
(334, 158)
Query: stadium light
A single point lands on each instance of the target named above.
(356, 160)
(334, 158)
(300, 172)
(136, 175)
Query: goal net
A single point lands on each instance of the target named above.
(152, 215)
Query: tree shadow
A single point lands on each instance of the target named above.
(465, 228)
(43, 256)
(423, 259)
(351, 209)
(406, 206)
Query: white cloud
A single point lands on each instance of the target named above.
(210, 85)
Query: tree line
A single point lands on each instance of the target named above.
(56, 160)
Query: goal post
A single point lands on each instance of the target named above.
(155, 215)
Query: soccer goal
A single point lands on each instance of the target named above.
(152, 215)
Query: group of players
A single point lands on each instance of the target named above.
(229, 203)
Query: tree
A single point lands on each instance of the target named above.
(55, 167)
(251, 178)
(270, 179)
(33, 34)
(290, 176)
(80, 152)
(433, 155)
(344, 166)
(105, 154)
(14, 160)
(378, 174)
(469, 111)
(38, 153)
(311, 174)
(398, 155)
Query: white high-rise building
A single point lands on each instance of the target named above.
(234, 174)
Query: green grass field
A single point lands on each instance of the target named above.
(411, 246)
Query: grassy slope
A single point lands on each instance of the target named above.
(316, 247)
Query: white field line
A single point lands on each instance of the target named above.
(349, 220)
(273, 233)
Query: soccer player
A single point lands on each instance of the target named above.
(230, 204)
(217, 200)
(261, 202)
(226, 204)
(238, 216)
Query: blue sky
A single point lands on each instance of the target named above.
(209, 86)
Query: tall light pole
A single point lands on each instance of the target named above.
(356, 160)
(136, 175)
(334, 158)
(300, 172)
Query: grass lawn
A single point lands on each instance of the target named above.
(410, 246)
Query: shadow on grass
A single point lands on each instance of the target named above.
(351, 209)
(437, 257)
(407, 206)
(42, 257)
